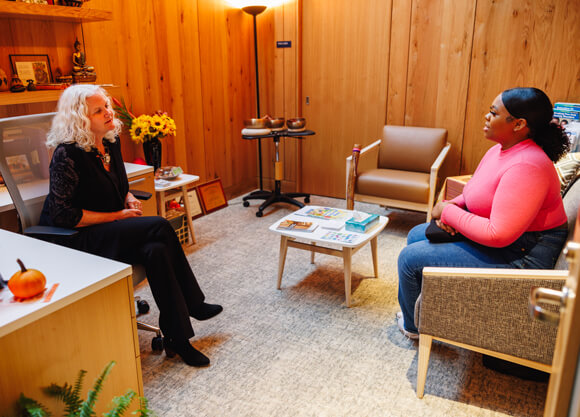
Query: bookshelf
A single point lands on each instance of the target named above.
(18, 10)
(10, 10)
(44, 96)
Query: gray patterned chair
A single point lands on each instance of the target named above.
(486, 310)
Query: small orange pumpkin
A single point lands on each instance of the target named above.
(26, 283)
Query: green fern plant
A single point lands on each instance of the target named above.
(75, 406)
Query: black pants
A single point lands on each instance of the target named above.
(152, 242)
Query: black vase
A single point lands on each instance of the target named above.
(152, 151)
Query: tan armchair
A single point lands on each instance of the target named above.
(486, 310)
(400, 170)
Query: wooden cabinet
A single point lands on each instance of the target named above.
(88, 321)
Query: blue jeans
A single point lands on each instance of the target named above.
(532, 250)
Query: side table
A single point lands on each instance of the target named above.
(167, 190)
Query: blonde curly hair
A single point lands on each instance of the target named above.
(71, 123)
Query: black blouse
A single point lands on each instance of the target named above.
(79, 181)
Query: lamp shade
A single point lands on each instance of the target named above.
(254, 10)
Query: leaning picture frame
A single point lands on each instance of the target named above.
(212, 196)
(31, 67)
(194, 204)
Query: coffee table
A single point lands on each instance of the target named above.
(318, 241)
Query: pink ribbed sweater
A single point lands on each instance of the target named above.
(511, 192)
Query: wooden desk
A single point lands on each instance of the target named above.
(89, 321)
(168, 190)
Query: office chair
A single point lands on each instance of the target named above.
(24, 167)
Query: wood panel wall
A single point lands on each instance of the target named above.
(446, 63)
(442, 64)
(345, 81)
(190, 58)
(193, 59)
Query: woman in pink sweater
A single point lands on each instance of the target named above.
(510, 214)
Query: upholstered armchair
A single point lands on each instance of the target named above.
(400, 170)
(486, 310)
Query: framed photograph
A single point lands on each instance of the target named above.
(32, 67)
(194, 206)
(212, 196)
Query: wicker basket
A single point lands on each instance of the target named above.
(179, 224)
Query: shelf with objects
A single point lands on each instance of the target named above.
(44, 96)
(50, 18)
(276, 196)
(177, 187)
(20, 10)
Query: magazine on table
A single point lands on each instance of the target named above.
(297, 226)
(325, 213)
(341, 237)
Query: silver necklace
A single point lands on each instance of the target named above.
(106, 158)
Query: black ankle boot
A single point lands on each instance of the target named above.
(188, 353)
(206, 311)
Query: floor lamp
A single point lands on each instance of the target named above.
(255, 11)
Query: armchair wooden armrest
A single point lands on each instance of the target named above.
(485, 310)
(368, 159)
(433, 176)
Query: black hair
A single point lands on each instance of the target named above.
(534, 105)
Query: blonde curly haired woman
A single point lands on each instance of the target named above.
(89, 191)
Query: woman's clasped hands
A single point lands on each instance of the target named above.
(436, 214)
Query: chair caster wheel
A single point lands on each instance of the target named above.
(246, 204)
(157, 344)
(142, 306)
(259, 214)
(307, 200)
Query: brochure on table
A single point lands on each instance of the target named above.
(331, 224)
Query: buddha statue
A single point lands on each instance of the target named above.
(81, 71)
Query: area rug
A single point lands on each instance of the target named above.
(300, 351)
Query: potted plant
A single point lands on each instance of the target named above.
(75, 406)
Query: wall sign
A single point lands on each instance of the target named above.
(283, 44)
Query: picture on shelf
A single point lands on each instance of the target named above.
(32, 67)
(20, 168)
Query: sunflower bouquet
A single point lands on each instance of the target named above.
(145, 128)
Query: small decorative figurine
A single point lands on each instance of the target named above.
(30, 86)
(3, 81)
(16, 85)
(63, 79)
(81, 71)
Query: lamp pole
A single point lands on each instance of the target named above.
(255, 11)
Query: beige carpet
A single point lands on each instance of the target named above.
(299, 351)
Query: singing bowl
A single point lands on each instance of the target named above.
(296, 123)
(275, 123)
(255, 123)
